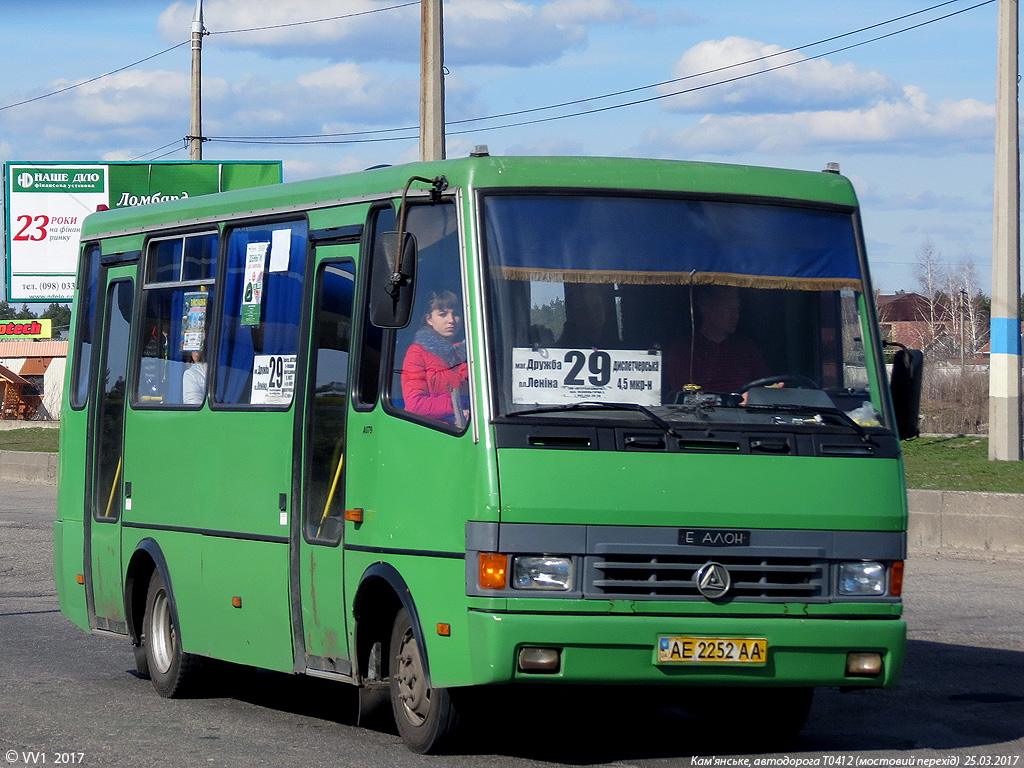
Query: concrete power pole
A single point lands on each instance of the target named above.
(431, 81)
(1005, 360)
(195, 138)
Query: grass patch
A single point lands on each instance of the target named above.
(29, 439)
(959, 464)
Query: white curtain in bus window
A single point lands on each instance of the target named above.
(259, 331)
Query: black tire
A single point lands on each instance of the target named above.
(426, 717)
(174, 673)
(141, 658)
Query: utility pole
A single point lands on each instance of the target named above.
(431, 81)
(195, 138)
(1004, 442)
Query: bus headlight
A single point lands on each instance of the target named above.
(861, 579)
(542, 572)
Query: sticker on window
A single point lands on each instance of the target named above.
(554, 376)
(273, 379)
(252, 298)
(193, 321)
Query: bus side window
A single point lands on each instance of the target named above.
(259, 331)
(367, 383)
(86, 325)
(328, 401)
(176, 295)
(429, 372)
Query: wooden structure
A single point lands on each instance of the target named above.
(16, 403)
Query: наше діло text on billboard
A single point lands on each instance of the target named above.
(45, 203)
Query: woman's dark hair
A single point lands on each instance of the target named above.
(442, 299)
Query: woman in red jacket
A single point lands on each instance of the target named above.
(434, 368)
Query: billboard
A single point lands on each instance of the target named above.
(45, 203)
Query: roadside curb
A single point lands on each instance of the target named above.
(992, 522)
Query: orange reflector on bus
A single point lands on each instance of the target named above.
(80, 579)
(236, 601)
(493, 568)
(896, 579)
(354, 515)
(444, 630)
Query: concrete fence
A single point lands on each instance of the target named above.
(28, 467)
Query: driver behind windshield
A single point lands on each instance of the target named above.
(715, 358)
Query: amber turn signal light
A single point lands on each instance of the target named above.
(493, 570)
(896, 579)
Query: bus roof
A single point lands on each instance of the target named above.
(489, 172)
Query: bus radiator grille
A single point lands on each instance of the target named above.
(670, 577)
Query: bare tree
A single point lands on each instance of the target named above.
(930, 272)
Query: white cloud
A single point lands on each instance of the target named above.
(771, 79)
(505, 32)
(910, 123)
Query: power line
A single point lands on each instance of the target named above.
(187, 42)
(94, 79)
(302, 139)
(158, 149)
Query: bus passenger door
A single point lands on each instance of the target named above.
(320, 546)
(104, 590)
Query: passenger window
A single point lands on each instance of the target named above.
(176, 297)
(367, 383)
(259, 333)
(86, 326)
(328, 401)
(429, 372)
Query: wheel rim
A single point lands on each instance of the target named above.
(413, 691)
(161, 635)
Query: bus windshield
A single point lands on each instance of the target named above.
(620, 307)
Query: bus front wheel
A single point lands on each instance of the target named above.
(426, 717)
(172, 670)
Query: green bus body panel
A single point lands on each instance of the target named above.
(701, 490)
(67, 563)
(417, 486)
(215, 476)
(616, 649)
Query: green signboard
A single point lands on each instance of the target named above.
(45, 203)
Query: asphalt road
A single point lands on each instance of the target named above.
(72, 699)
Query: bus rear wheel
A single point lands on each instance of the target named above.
(426, 717)
(172, 671)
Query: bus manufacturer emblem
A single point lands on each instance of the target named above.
(713, 580)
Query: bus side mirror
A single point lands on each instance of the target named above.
(905, 386)
(392, 280)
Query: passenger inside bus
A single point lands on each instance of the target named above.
(434, 370)
(193, 381)
(590, 317)
(716, 358)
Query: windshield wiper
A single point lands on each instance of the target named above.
(843, 416)
(597, 406)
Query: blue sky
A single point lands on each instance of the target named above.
(909, 118)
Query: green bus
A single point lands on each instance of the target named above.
(492, 421)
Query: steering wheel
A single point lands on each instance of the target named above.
(801, 382)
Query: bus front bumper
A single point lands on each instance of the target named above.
(613, 650)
